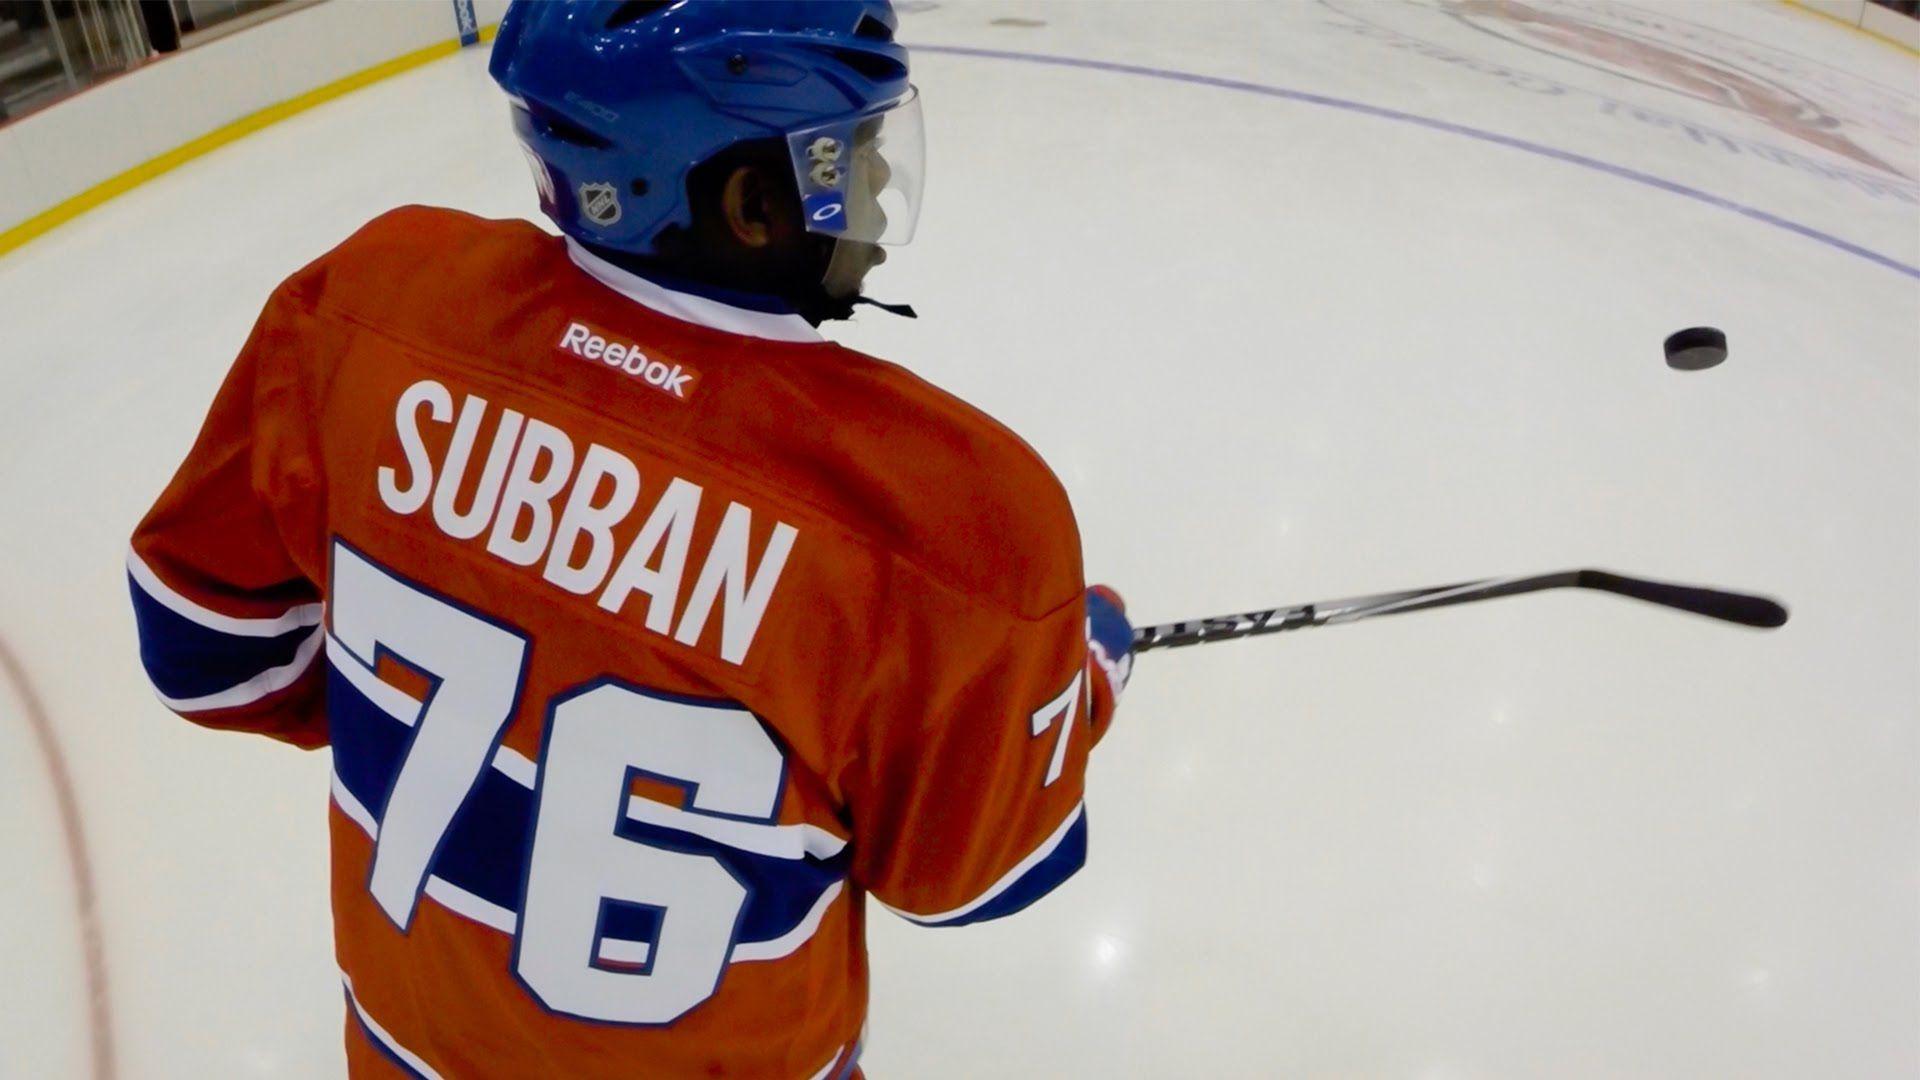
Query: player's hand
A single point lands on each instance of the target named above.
(1110, 635)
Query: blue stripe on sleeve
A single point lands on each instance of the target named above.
(379, 1044)
(1040, 879)
(186, 660)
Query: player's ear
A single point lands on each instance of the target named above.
(745, 203)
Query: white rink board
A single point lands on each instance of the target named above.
(58, 152)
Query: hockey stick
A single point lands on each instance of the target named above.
(1713, 603)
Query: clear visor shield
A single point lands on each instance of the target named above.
(860, 178)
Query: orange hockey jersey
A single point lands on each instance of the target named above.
(650, 633)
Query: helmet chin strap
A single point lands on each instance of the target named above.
(905, 311)
(822, 303)
(820, 307)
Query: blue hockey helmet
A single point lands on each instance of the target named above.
(616, 101)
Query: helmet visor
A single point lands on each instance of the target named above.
(860, 177)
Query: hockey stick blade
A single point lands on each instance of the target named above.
(1731, 607)
(1756, 611)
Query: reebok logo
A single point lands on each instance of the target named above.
(587, 343)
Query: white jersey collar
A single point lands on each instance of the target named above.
(687, 307)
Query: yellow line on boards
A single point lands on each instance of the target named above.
(72, 207)
(1838, 21)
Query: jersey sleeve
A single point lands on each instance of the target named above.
(229, 623)
(972, 802)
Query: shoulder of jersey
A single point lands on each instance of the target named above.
(936, 481)
(954, 491)
(428, 269)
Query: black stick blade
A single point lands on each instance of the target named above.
(1713, 603)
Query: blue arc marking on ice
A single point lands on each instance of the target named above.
(1432, 124)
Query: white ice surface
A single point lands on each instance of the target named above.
(1278, 351)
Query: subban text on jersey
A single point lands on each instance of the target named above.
(528, 467)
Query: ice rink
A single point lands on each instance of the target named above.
(1301, 300)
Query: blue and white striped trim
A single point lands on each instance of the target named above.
(1044, 868)
(385, 1042)
(200, 660)
(841, 1064)
(266, 683)
(294, 618)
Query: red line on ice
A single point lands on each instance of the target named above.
(99, 1012)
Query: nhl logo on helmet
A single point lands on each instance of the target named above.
(600, 203)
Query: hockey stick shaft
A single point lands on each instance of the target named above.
(1714, 603)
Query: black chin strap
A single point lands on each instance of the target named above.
(905, 311)
(821, 308)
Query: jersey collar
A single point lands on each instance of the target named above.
(690, 307)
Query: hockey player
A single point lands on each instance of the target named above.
(650, 632)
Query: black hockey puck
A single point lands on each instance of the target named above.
(1696, 348)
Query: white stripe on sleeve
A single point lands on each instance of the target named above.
(292, 619)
